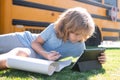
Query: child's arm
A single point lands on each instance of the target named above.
(37, 46)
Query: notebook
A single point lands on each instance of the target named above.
(36, 65)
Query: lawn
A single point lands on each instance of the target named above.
(110, 71)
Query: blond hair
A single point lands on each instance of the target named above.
(74, 20)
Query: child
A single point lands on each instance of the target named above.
(63, 38)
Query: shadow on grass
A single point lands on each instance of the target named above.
(65, 74)
(85, 75)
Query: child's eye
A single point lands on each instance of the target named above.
(77, 34)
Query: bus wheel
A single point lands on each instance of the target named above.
(96, 39)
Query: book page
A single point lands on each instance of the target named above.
(63, 64)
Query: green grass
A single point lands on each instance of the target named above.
(110, 71)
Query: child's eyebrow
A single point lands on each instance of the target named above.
(77, 34)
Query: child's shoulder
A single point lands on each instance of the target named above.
(51, 25)
(49, 28)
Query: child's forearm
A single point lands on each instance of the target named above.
(38, 48)
(52, 55)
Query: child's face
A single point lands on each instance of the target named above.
(74, 37)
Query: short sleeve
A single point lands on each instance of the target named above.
(46, 33)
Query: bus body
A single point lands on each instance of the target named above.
(36, 15)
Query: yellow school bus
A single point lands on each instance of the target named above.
(36, 15)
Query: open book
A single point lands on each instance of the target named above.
(36, 65)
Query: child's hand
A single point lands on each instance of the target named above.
(102, 58)
(53, 55)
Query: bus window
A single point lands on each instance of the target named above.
(111, 2)
(98, 0)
